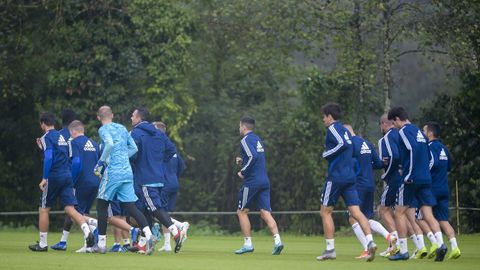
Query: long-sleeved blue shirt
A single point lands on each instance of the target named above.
(339, 153)
(254, 168)
(173, 169)
(388, 148)
(415, 155)
(366, 160)
(154, 149)
(440, 165)
(55, 149)
(117, 146)
(84, 155)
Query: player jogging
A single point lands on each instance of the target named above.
(255, 190)
(56, 183)
(117, 178)
(340, 182)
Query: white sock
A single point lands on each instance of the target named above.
(43, 239)
(64, 236)
(166, 236)
(276, 238)
(93, 222)
(439, 237)
(378, 228)
(453, 242)
(116, 244)
(369, 238)
(147, 232)
(360, 235)
(85, 229)
(102, 241)
(414, 239)
(247, 241)
(126, 241)
(173, 230)
(177, 223)
(330, 244)
(432, 238)
(395, 234)
(403, 245)
(421, 242)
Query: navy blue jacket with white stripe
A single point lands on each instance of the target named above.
(154, 149)
(415, 155)
(366, 160)
(440, 165)
(339, 153)
(254, 168)
(388, 148)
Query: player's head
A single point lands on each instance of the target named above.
(247, 124)
(105, 114)
(68, 116)
(384, 123)
(399, 116)
(76, 129)
(331, 113)
(140, 114)
(349, 128)
(161, 126)
(47, 121)
(432, 130)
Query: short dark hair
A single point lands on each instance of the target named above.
(399, 112)
(47, 118)
(143, 113)
(68, 115)
(333, 109)
(433, 127)
(248, 121)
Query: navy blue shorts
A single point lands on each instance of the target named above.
(61, 187)
(389, 195)
(151, 198)
(115, 209)
(85, 198)
(366, 202)
(422, 193)
(168, 199)
(255, 198)
(332, 191)
(440, 211)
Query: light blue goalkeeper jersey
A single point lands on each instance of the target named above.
(118, 146)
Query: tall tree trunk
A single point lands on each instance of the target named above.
(387, 58)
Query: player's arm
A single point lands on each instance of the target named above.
(76, 161)
(377, 163)
(333, 137)
(411, 145)
(136, 138)
(252, 154)
(170, 149)
(180, 165)
(132, 146)
(106, 146)
(47, 147)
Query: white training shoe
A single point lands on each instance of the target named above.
(165, 248)
(184, 229)
(82, 250)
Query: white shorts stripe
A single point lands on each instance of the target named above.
(148, 199)
(326, 195)
(245, 197)
(400, 195)
(44, 197)
(384, 195)
(110, 211)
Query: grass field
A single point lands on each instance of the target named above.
(216, 252)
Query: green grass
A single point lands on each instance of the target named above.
(216, 252)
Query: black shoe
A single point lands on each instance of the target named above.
(90, 240)
(178, 241)
(36, 247)
(441, 252)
